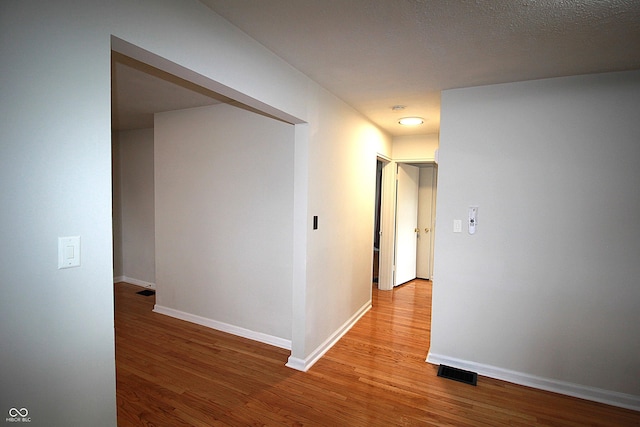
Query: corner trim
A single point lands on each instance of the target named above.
(608, 397)
(297, 364)
(224, 327)
(305, 364)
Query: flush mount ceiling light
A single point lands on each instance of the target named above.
(411, 121)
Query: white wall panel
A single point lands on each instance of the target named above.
(548, 284)
(224, 217)
(136, 206)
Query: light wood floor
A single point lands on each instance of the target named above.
(173, 373)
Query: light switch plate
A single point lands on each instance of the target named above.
(457, 226)
(68, 252)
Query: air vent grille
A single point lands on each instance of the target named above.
(456, 374)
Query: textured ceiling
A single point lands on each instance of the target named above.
(375, 54)
(378, 53)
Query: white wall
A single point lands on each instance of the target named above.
(341, 192)
(224, 217)
(546, 291)
(412, 148)
(134, 200)
(56, 326)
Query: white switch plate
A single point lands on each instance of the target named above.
(68, 252)
(457, 226)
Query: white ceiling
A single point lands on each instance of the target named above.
(375, 54)
(138, 91)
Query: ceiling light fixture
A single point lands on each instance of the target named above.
(411, 121)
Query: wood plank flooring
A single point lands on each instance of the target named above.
(174, 373)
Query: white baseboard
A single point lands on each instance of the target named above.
(133, 281)
(224, 327)
(608, 397)
(305, 364)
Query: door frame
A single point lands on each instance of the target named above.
(431, 219)
(406, 239)
(387, 224)
(388, 219)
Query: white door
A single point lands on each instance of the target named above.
(424, 263)
(406, 223)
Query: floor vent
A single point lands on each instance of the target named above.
(146, 292)
(456, 374)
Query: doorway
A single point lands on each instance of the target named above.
(413, 223)
(377, 227)
(278, 137)
(426, 220)
(407, 231)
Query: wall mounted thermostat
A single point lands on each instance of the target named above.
(473, 219)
